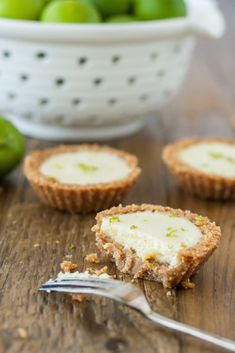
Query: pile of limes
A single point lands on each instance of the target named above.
(92, 11)
(12, 147)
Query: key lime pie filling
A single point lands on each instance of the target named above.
(81, 178)
(155, 242)
(205, 167)
(85, 168)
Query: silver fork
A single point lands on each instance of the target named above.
(134, 298)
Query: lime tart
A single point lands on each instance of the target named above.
(155, 242)
(81, 178)
(203, 166)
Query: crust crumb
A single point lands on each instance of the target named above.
(92, 258)
(22, 333)
(78, 297)
(188, 284)
(168, 293)
(101, 271)
(68, 266)
(36, 245)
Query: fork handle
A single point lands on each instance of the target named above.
(191, 331)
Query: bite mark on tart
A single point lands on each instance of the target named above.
(165, 245)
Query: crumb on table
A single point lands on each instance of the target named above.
(188, 284)
(92, 258)
(101, 271)
(168, 293)
(22, 333)
(36, 245)
(78, 297)
(68, 266)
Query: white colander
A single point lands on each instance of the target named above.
(85, 82)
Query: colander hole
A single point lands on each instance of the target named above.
(115, 59)
(98, 81)
(153, 56)
(76, 101)
(24, 77)
(11, 95)
(43, 101)
(131, 80)
(161, 73)
(6, 54)
(60, 82)
(144, 97)
(82, 61)
(112, 101)
(41, 55)
(96, 120)
(60, 119)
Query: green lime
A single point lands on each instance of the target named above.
(159, 9)
(21, 10)
(70, 11)
(12, 147)
(121, 19)
(109, 8)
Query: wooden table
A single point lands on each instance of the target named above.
(34, 238)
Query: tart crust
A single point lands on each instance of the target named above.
(127, 260)
(79, 198)
(196, 182)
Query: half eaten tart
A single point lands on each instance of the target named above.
(155, 242)
(81, 178)
(203, 166)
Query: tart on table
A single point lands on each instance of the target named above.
(81, 178)
(156, 243)
(203, 166)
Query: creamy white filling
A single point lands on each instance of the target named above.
(85, 167)
(211, 158)
(152, 234)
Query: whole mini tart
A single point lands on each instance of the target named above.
(81, 178)
(155, 242)
(203, 166)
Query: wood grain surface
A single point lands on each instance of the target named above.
(34, 239)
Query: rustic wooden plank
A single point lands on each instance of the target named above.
(56, 324)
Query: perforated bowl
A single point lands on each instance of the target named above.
(88, 82)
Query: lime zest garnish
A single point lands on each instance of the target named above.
(52, 179)
(72, 247)
(114, 219)
(215, 155)
(230, 160)
(57, 166)
(133, 227)
(86, 168)
(200, 218)
(145, 220)
(183, 229)
(172, 233)
(169, 228)
(173, 214)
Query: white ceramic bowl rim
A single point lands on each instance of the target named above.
(93, 32)
(204, 18)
